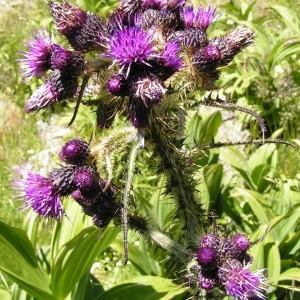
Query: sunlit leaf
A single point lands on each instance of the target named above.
(144, 288)
(76, 257)
(18, 260)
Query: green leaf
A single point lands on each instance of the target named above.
(144, 288)
(75, 258)
(257, 203)
(4, 295)
(88, 288)
(18, 260)
(213, 177)
(290, 274)
(273, 261)
(285, 224)
(209, 128)
(67, 229)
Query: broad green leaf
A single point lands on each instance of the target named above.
(209, 128)
(69, 227)
(213, 177)
(193, 129)
(76, 257)
(290, 274)
(5, 295)
(144, 288)
(257, 203)
(238, 161)
(286, 224)
(18, 260)
(88, 288)
(273, 260)
(261, 156)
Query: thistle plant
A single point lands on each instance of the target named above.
(143, 65)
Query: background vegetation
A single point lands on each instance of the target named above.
(251, 188)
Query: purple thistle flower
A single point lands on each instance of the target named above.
(241, 242)
(118, 86)
(147, 89)
(62, 179)
(36, 61)
(200, 18)
(206, 283)
(240, 282)
(40, 195)
(154, 4)
(67, 17)
(69, 62)
(56, 88)
(75, 151)
(170, 57)
(210, 240)
(87, 180)
(206, 256)
(79, 27)
(232, 43)
(161, 4)
(130, 45)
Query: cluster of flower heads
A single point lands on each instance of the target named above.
(223, 263)
(76, 177)
(147, 42)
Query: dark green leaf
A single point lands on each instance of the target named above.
(18, 260)
(144, 288)
(75, 258)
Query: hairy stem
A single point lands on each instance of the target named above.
(126, 193)
(180, 181)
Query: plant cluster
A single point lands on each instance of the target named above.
(141, 68)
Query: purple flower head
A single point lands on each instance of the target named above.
(117, 85)
(170, 57)
(75, 151)
(147, 89)
(67, 17)
(241, 242)
(40, 194)
(67, 61)
(174, 3)
(210, 240)
(56, 88)
(232, 43)
(206, 256)
(207, 58)
(130, 45)
(206, 283)
(36, 61)
(154, 4)
(87, 180)
(62, 179)
(199, 18)
(161, 4)
(243, 284)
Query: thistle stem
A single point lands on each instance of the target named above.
(180, 181)
(126, 193)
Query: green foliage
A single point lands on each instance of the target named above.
(251, 189)
(265, 78)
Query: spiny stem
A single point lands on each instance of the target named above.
(180, 181)
(231, 106)
(249, 142)
(126, 193)
(160, 239)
